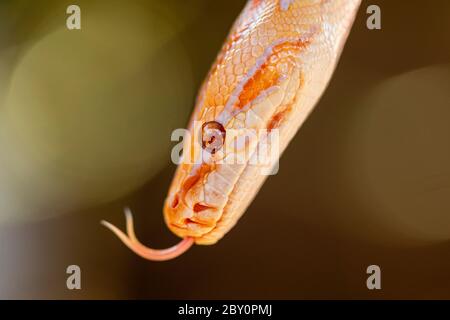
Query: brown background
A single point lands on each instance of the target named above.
(365, 181)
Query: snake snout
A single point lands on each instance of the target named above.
(190, 222)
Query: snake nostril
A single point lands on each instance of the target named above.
(175, 201)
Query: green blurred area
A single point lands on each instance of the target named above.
(86, 113)
(85, 123)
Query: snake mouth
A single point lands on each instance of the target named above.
(190, 221)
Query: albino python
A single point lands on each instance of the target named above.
(273, 68)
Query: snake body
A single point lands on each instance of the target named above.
(273, 68)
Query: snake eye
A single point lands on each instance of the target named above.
(213, 136)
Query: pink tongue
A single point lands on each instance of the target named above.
(133, 243)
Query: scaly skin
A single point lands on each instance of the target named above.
(270, 73)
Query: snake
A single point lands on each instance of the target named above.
(273, 68)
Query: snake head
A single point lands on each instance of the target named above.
(251, 90)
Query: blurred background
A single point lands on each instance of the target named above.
(85, 123)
